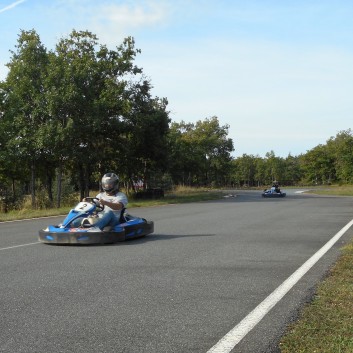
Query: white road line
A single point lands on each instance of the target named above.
(17, 246)
(234, 336)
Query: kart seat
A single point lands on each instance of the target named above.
(122, 218)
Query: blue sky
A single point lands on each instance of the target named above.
(279, 73)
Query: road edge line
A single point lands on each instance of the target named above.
(234, 336)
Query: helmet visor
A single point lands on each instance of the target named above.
(108, 185)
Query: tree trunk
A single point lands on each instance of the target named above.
(13, 186)
(145, 176)
(82, 182)
(132, 185)
(50, 187)
(59, 186)
(86, 180)
(33, 184)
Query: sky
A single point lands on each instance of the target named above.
(279, 73)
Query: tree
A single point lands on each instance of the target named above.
(200, 153)
(77, 110)
(317, 165)
(292, 173)
(245, 169)
(24, 109)
(340, 156)
(275, 168)
(260, 171)
(147, 125)
(89, 103)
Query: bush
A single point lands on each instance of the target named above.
(10, 201)
(156, 193)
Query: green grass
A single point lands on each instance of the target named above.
(195, 196)
(181, 195)
(27, 213)
(326, 324)
(334, 190)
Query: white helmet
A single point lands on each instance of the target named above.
(110, 182)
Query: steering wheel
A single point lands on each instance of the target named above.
(95, 201)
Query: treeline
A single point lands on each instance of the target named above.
(325, 164)
(71, 114)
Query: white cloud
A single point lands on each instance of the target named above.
(113, 22)
(133, 16)
(11, 6)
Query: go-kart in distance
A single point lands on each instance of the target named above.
(274, 191)
(70, 231)
(270, 193)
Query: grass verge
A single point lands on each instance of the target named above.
(334, 190)
(326, 324)
(183, 195)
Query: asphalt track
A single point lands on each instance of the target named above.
(182, 289)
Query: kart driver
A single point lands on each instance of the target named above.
(275, 187)
(113, 201)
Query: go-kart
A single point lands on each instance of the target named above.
(70, 231)
(273, 193)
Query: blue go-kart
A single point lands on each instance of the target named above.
(273, 193)
(70, 231)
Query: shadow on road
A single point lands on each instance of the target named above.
(159, 237)
(129, 242)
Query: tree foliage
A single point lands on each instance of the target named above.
(24, 106)
(200, 153)
(77, 111)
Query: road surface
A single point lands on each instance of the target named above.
(181, 289)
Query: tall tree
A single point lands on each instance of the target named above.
(201, 152)
(339, 151)
(292, 173)
(25, 105)
(147, 127)
(317, 165)
(88, 99)
(275, 167)
(245, 170)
